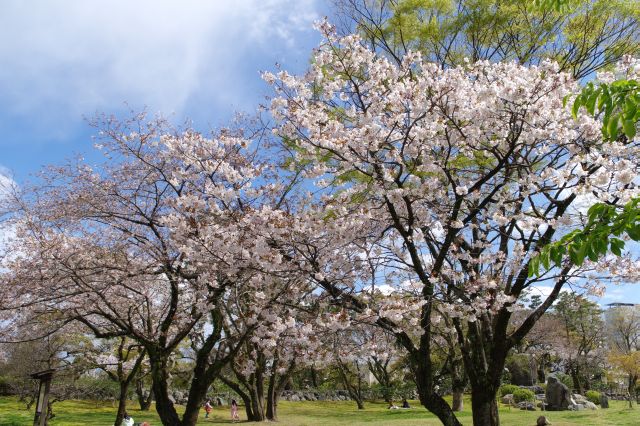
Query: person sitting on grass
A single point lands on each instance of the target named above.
(392, 406)
(405, 403)
(127, 420)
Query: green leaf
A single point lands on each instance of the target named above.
(534, 266)
(591, 103)
(634, 232)
(612, 127)
(630, 109)
(576, 107)
(576, 254)
(617, 245)
(630, 128)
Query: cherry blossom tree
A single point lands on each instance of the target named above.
(283, 340)
(457, 178)
(121, 359)
(148, 245)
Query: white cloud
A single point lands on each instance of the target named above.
(541, 290)
(73, 57)
(6, 186)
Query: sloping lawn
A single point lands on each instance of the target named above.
(82, 413)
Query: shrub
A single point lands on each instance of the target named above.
(519, 365)
(507, 389)
(520, 395)
(593, 396)
(566, 379)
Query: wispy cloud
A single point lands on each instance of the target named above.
(7, 185)
(72, 57)
(6, 182)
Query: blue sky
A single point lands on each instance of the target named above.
(199, 60)
(66, 60)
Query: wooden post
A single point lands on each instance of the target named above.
(44, 386)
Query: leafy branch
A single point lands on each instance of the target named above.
(618, 103)
(603, 232)
(618, 106)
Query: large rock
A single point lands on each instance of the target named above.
(542, 421)
(557, 395)
(604, 400)
(508, 399)
(526, 405)
(579, 399)
(590, 405)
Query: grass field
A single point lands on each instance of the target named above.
(82, 413)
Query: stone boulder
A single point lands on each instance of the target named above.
(579, 399)
(542, 421)
(508, 399)
(604, 400)
(526, 405)
(590, 405)
(557, 395)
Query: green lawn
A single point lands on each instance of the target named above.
(81, 413)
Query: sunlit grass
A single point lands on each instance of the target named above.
(327, 413)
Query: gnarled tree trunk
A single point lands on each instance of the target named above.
(143, 401)
(484, 408)
(122, 402)
(164, 405)
(457, 404)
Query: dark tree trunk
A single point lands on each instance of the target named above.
(484, 408)
(122, 402)
(459, 382)
(273, 395)
(484, 358)
(164, 406)
(197, 395)
(577, 381)
(144, 402)
(272, 406)
(429, 398)
(314, 378)
(246, 398)
(204, 373)
(248, 407)
(277, 384)
(354, 390)
(257, 402)
(540, 372)
(457, 404)
(631, 387)
(380, 370)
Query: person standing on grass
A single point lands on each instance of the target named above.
(234, 410)
(207, 408)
